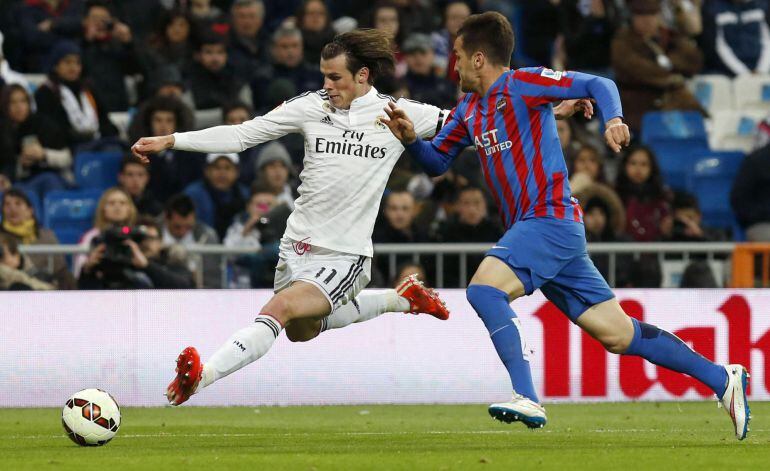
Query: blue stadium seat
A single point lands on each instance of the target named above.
(98, 170)
(711, 179)
(70, 211)
(678, 138)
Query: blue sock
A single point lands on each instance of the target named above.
(492, 306)
(662, 348)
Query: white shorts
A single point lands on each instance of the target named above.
(340, 276)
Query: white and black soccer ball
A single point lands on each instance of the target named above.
(91, 417)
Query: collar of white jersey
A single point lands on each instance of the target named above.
(366, 99)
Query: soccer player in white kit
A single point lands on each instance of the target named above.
(325, 254)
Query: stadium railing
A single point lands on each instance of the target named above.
(715, 253)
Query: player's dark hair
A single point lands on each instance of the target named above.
(651, 189)
(490, 33)
(368, 48)
(180, 204)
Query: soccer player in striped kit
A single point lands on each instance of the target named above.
(508, 116)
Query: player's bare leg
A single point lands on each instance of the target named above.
(300, 300)
(411, 296)
(491, 290)
(619, 333)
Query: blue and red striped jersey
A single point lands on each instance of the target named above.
(514, 132)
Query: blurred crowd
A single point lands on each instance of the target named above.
(118, 70)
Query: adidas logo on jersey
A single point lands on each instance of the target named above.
(327, 120)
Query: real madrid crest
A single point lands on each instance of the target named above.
(328, 107)
(500, 104)
(379, 124)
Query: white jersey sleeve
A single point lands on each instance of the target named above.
(284, 119)
(427, 119)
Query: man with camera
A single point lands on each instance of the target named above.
(134, 258)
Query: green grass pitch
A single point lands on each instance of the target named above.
(660, 436)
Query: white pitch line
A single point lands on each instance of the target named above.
(355, 434)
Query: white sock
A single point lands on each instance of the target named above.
(366, 306)
(243, 347)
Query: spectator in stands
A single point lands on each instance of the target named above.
(20, 222)
(470, 223)
(410, 268)
(288, 64)
(586, 173)
(387, 18)
(133, 178)
(604, 220)
(683, 16)
(538, 32)
(9, 76)
(181, 227)
(588, 28)
(114, 210)
(570, 142)
(218, 196)
(750, 198)
(207, 16)
(260, 228)
(455, 13)
(16, 271)
(33, 150)
(212, 82)
(237, 113)
(66, 99)
(43, 24)
(736, 36)
(421, 80)
(640, 187)
(139, 261)
(397, 223)
(247, 41)
(170, 170)
(170, 45)
(651, 64)
(274, 168)
(109, 54)
(314, 22)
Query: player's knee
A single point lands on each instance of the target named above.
(299, 335)
(279, 307)
(474, 294)
(615, 343)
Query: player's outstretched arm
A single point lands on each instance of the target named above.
(433, 161)
(151, 145)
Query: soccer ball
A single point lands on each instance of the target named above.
(91, 417)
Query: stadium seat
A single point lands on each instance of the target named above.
(673, 125)
(711, 179)
(677, 138)
(97, 170)
(752, 92)
(714, 92)
(70, 211)
(735, 130)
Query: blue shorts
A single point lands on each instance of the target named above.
(550, 255)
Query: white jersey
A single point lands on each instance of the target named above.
(349, 155)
